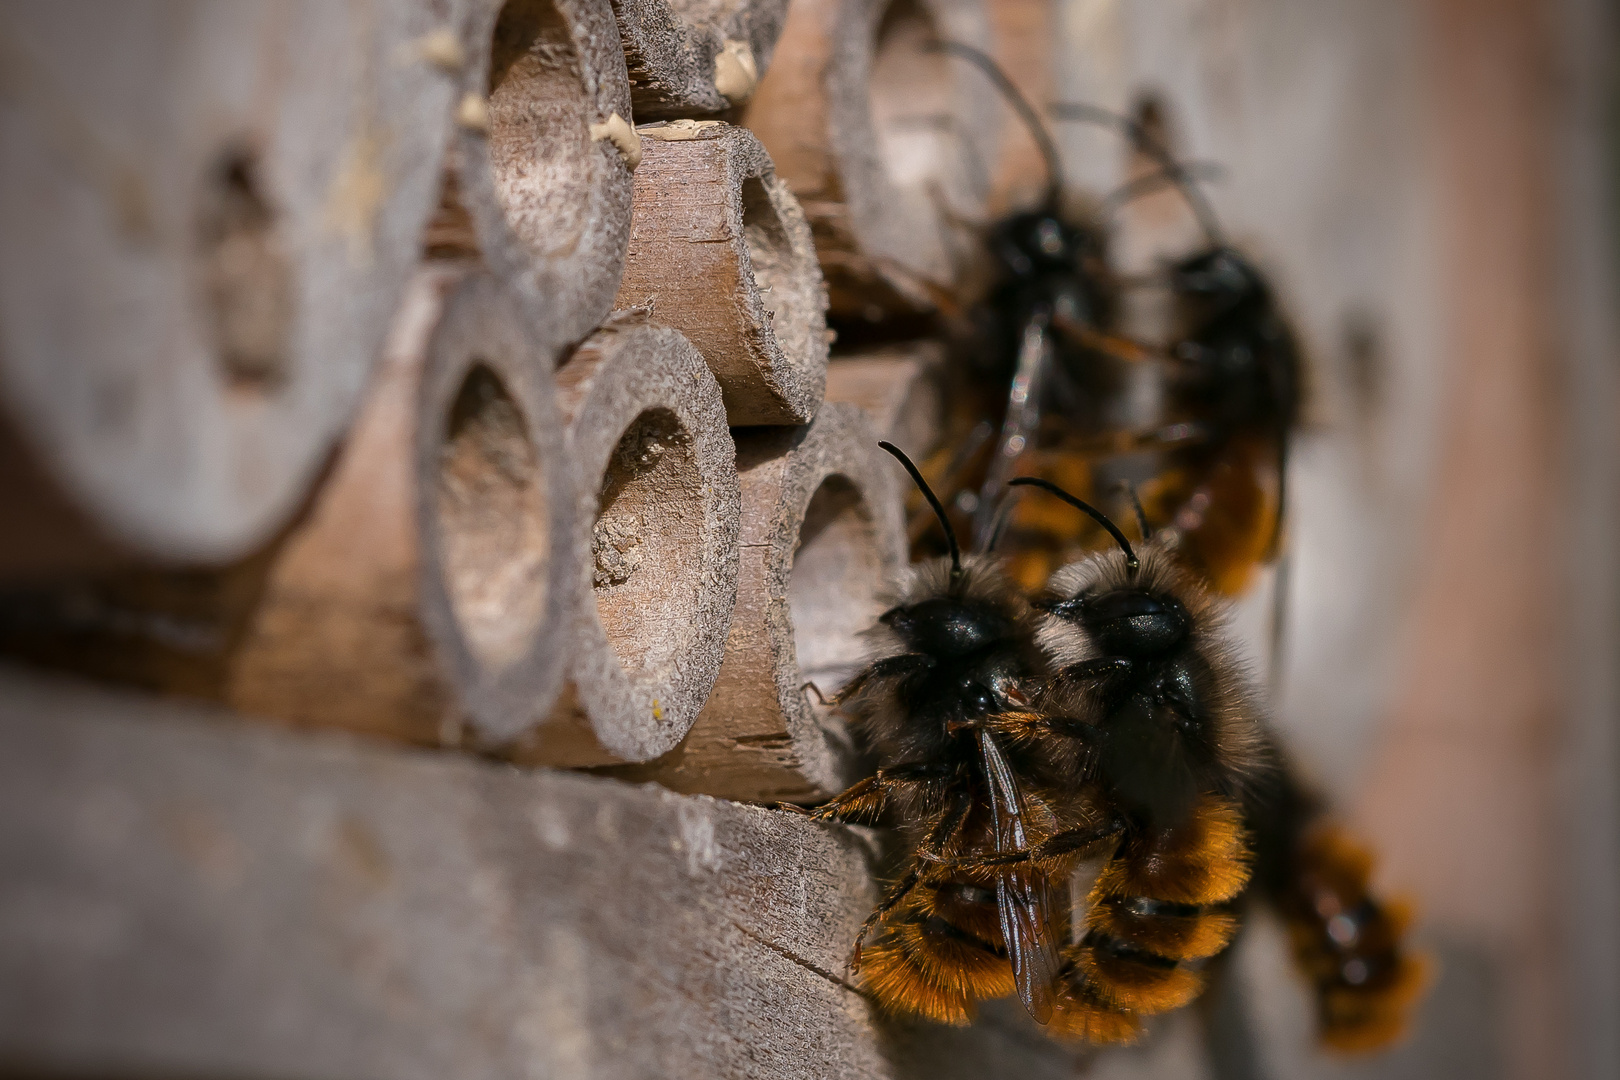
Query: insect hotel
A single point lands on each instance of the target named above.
(808, 538)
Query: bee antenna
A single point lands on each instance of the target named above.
(1177, 173)
(1020, 105)
(933, 500)
(1136, 505)
(1131, 562)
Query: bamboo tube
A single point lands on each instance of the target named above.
(655, 469)
(427, 583)
(821, 541)
(693, 58)
(543, 153)
(886, 144)
(209, 214)
(721, 251)
(898, 388)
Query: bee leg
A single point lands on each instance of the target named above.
(888, 667)
(1054, 849)
(942, 831)
(866, 798)
(1100, 667)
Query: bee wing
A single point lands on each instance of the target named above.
(1023, 894)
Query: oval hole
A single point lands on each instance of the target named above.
(247, 276)
(832, 593)
(539, 140)
(645, 545)
(911, 95)
(492, 521)
(785, 290)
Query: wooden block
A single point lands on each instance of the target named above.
(430, 580)
(885, 144)
(189, 897)
(690, 58)
(543, 154)
(822, 542)
(209, 215)
(721, 251)
(898, 387)
(656, 475)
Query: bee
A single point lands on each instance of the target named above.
(1148, 721)
(1350, 944)
(1030, 350)
(1234, 393)
(960, 648)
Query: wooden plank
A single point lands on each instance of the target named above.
(184, 896)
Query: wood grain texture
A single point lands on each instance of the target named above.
(690, 58)
(190, 897)
(655, 476)
(898, 388)
(885, 144)
(722, 252)
(549, 201)
(822, 543)
(209, 215)
(428, 582)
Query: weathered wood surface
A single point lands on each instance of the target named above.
(428, 582)
(887, 145)
(721, 251)
(209, 213)
(184, 895)
(543, 155)
(898, 387)
(655, 476)
(690, 58)
(822, 542)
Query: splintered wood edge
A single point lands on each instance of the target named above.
(507, 664)
(248, 305)
(684, 62)
(716, 231)
(759, 738)
(898, 387)
(185, 896)
(653, 599)
(559, 236)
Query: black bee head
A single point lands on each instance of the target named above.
(945, 627)
(1220, 277)
(1127, 622)
(1036, 243)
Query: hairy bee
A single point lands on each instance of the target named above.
(1151, 721)
(961, 649)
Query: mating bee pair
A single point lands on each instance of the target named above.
(1015, 740)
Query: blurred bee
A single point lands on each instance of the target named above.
(1233, 381)
(1149, 722)
(961, 650)
(1348, 943)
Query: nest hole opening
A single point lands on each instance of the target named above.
(492, 515)
(834, 584)
(247, 275)
(539, 140)
(647, 543)
(786, 288)
(912, 96)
